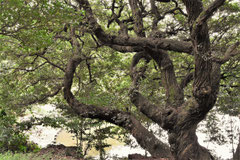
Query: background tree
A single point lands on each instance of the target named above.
(174, 76)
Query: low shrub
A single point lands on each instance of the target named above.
(12, 137)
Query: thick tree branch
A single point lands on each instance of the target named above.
(194, 8)
(109, 40)
(203, 64)
(137, 17)
(150, 110)
(206, 14)
(156, 13)
(125, 49)
(206, 74)
(174, 93)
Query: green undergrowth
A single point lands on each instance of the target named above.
(24, 156)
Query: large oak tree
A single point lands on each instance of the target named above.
(155, 30)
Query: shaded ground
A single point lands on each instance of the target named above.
(57, 152)
(61, 152)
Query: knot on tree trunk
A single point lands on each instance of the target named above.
(169, 118)
(202, 92)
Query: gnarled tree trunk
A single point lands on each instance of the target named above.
(180, 116)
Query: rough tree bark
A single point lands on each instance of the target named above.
(236, 155)
(179, 116)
